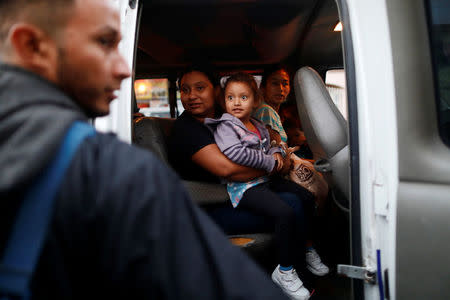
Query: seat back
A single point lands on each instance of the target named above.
(152, 133)
(325, 128)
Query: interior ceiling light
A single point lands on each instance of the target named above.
(338, 26)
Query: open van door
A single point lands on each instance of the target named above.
(397, 86)
(119, 118)
(420, 34)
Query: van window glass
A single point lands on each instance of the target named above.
(335, 82)
(439, 29)
(152, 97)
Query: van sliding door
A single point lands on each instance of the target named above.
(421, 48)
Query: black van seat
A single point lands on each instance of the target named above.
(151, 133)
(204, 193)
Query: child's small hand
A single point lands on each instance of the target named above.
(279, 161)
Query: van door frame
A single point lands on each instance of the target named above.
(119, 119)
(355, 208)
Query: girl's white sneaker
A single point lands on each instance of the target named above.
(291, 285)
(314, 264)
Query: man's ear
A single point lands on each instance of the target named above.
(34, 49)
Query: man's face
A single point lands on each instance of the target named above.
(90, 67)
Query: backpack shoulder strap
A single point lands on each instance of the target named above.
(33, 218)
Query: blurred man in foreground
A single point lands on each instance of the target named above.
(122, 227)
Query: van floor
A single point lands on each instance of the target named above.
(332, 233)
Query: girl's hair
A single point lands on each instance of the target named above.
(204, 68)
(249, 80)
(272, 69)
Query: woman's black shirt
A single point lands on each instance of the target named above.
(188, 137)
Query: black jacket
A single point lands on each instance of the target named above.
(123, 226)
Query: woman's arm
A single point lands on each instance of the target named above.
(214, 161)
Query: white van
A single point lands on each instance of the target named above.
(390, 161)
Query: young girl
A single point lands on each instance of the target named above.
(246, 141)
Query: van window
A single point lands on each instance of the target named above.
(152, 97)
(439, 30)
(335, 81)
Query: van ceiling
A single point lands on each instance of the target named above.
(236, 34)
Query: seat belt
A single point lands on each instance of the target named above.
(29, 232)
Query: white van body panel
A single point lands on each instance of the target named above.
(119, 119)
(378, 149)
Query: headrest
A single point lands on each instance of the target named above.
(322, 121)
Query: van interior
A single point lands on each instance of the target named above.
(250, 35)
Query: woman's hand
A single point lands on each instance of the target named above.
(278, 162)
(293, 149)
(287, 162)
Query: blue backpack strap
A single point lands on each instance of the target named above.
(30, 229)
